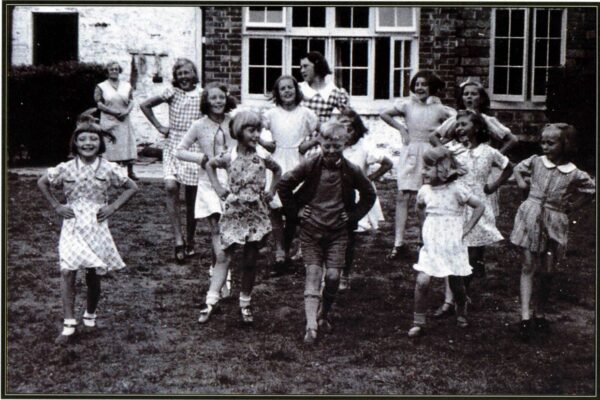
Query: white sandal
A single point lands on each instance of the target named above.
(89, 320)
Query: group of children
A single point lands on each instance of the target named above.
(247, 185)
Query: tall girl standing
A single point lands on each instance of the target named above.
(290, 124)
(184, 108)
(85, 240)
(245, 220)
(423, 113)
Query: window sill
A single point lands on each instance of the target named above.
(517, 105)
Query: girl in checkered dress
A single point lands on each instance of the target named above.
(85, 241)
(184, 108)
(556, 186)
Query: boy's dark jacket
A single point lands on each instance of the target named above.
(309, 173)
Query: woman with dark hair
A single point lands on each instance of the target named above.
(114, 100)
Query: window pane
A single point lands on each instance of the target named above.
(256, 14)
(343, 17)
(516, 52)
(274, 14)
(407, 45)
(360, 17)
(274, 52)
(539, 82)
(386, 17)
(501, 56)
(501, 22)
(397, 53)
(404, 16)
(541, 51)
(397, 84)
(406, 83)
(500, 78)
(342, 53)
(360, 54)
(317, 16)
(300, 16)
(272, 75)
(515, 81)
(359, 82)
(342, 78)
(541, 23)
(256, 50)
(256, 80)
(382, 68)
(556, 23)
(554, 52)
(517, 23)
(317, 45)
(299, 49)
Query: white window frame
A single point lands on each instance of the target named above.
(528, 63)
(265, 24)
(412, 28)
(363, 104)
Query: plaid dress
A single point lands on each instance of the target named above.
(85, 242)
(542, 217)
(184, 108)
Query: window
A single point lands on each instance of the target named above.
(526, 44)
(55, 37)
(265, 17)
(369, 64)
(396, 19)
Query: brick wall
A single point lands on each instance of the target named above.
(223, 47)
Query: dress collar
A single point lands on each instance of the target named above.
(94, 166)
(428, 101)
(324, 92)
(564, 168)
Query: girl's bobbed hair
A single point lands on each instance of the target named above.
(482, 133)
(321, 65)
(434, 82)
(276, 97)
(484, 98)
(111, 63)
(447, 166)
(180, 62)
(230, 102)
(568, 138)
(356, 121)
(87, 122)
(243, 119)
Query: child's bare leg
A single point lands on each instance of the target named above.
(447, 308)
(312, 294)
(219, 276)
(402, 200)
(190, 220)
(421, 290)
(277, 224)
(545, 279)
(93, 290)
(215, 236)
(67, 292)
(527, 273)
(332, 283)
(172, 203)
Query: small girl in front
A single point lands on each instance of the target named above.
(290, 124)
(556, 186)
(245, 219)
(85, 241)
(440, 202)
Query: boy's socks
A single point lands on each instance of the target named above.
(419, 319)
(89, 320)
(212, 298)
(311, 305)
(69, 326)
(244, 300)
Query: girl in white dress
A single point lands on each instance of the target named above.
(85, 241)
(440, 204)
(290, 124)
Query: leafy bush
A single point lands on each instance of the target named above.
(43, 104)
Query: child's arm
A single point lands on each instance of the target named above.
(509, 141)
(61, 209)
(146, 108)
(384, 166)
(442, 134)
(182, 153)
(269, 145)
(106, 211)
(276, 169)
(366, 194)
(479, 208)
(506, 173)
(211, 167)
(388, 117)
(288, 182)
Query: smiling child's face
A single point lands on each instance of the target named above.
(217, 100)
(422, 89)
(287, 91)
(185, 77)
(88, 144)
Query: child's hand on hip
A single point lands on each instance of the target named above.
(105, 212)
(164, 130)
(268, 196)
(65, 211)
(222, 193)
(304, 212)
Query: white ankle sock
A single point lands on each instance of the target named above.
(89, 319)
(69, 330)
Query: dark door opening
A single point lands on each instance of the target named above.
(55, 37)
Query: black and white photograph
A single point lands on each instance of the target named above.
(318, 199)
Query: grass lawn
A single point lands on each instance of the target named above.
(149, 340)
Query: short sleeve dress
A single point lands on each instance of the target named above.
(124, 148)
(85, 242)
(542, 217)
(422, 119)
(443, 253)
(245, 215)
(363, 154)
(480, 162)
(184, 108)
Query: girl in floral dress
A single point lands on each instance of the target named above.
(556, 186)
(184, 108)
(440, 204)
(85, 240)
(245, 219)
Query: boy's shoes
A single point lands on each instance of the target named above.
(344, 283)
(189, 250)
(416, 331)
(206, 311)
(247, 316)
(310, 337)
(541, 325)
(324, 325)
(398, 251)
(444, 311)
(526, 330)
